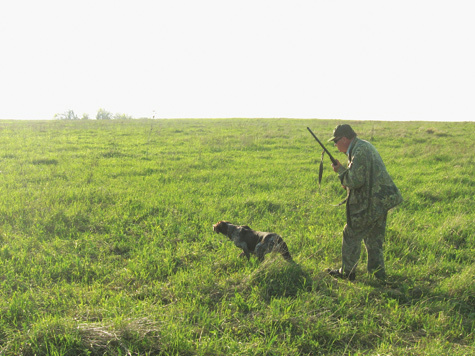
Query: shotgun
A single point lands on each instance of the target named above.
(334, 161)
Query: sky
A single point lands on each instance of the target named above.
(328, 59)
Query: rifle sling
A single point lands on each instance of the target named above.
(320, 175)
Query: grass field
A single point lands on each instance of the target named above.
(107, 248)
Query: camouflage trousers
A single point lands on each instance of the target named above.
(373, 238)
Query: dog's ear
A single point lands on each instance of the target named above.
(220, 227)
(216, 227)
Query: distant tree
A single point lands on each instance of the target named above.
(122, 117)
(102, 114)
(68, 115)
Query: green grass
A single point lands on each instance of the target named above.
(106, 241)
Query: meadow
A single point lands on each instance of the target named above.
(107, 247)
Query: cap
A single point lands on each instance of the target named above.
(340, 131)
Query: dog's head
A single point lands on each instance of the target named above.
(221, 227)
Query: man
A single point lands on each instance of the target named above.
(371, 193)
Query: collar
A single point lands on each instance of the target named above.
(350, 147)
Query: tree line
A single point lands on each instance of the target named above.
(102, 114)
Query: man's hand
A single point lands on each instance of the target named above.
(336, 166)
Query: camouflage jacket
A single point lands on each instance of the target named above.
(371, 191)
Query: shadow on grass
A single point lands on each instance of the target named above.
(454, 293)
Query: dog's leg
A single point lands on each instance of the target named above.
(245, 250)
(261, 250)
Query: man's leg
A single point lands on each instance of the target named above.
(374, 246)
(350, 250)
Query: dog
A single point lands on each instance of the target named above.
(255, 242)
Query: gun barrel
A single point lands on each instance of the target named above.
(334, 161)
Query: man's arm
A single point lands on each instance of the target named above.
(354, 176)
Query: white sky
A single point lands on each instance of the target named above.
(330, 59)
